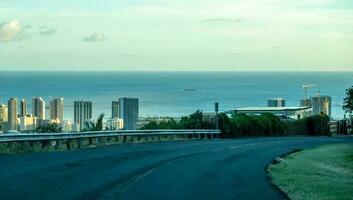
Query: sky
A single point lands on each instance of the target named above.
(176, 35)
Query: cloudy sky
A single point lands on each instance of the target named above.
(246, 35)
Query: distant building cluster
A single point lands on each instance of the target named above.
(307, 107)
(14, 117)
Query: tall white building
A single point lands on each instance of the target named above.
(115, 124)
(28, 123)
(82, 112)
(23, 108)
(57, 110)
(321, 104)
(276, 102)
(129, 112)
(3, 117)
(38, 108)
(115, 109)
(12, 114)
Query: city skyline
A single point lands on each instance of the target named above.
(176, 35)
(14, 116)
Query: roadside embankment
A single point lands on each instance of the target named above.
(65, 145)
(324, 172)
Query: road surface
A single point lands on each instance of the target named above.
(208, 169)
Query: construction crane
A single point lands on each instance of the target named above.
(306, 86)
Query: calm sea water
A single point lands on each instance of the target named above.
(164, 94)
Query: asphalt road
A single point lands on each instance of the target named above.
(208, 169)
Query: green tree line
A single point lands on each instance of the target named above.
(242, 125)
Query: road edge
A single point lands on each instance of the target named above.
(275, 161)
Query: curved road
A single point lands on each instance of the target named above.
(209, 169)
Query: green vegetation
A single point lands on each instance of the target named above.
(95, 126)
(194, 121)
(321, 173)
(50, 128)
(348, 101)
(348, 105)
(257, 125)
(24, 147)
(242, 125)
(313, 125)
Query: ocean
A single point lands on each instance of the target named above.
(174, 93)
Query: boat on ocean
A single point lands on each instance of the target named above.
(189, 89)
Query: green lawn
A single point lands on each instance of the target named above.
(325, 172)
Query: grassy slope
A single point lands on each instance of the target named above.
(325, 172)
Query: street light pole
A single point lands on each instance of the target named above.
(216, 105)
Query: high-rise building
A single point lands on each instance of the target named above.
(305, 102)
(321, 104)
(12, 114)
(115, 109)
(23, 108)
(129, 111)
(3, 117)
(115, 124)
(82, 112)
(276, 102)
(27, 123)
(38, 108)
(57, 110)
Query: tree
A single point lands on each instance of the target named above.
(50, 128)
(225, 125)
(318, 124)
(95, 126)
(164, 124)
(348, 101)
(193, 121)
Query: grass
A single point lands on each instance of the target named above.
(325, 172)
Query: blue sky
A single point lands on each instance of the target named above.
(181, 35)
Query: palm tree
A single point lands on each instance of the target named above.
(95, 126)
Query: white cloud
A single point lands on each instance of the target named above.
(47, 30)
(224, 20)
(96, 37)
(10, 30)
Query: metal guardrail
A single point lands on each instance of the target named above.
(99, 134)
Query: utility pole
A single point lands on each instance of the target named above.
(305, 87)
(216, 110)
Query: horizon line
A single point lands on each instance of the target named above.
(182, 71)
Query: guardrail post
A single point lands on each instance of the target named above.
(124, 138)
(116, 138)
(109, 139)
(90, 141)
(57, 144)
(44, 143)
(79, 143)
(68, 144)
